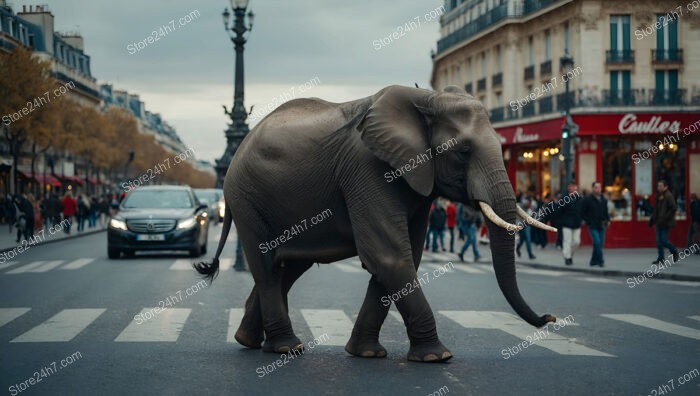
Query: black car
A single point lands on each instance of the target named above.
(159, 218)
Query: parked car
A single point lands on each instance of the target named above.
(159, 218)
(214, 199)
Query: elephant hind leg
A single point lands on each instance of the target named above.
(250, 333)
(364, 341)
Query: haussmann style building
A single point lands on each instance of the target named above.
(634, 96)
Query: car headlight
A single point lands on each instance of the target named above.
(222, 209)
(186, 223)
(118, 224)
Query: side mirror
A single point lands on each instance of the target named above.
(201, 207)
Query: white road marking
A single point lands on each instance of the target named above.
(345, 267)
(535, 271)
(7, 315)
(656, 324)
(26, 268)
(181, 265)
(435, 267)
(694, 317)
(62, 327)
(48, 266)
(468, 268)
(8, 264)
(678, 283)
(487, 268)
(77, 264)
(597, 280)
(396, 315)
(234, 320)
(515, 326)
(225, 264)
(161, 327)
(333, 322)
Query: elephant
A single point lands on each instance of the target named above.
(310, 156)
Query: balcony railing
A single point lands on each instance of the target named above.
(528, 110)
(481, 84)
(486, 20)
(546, 68)
(536, 5)
(667, 56)
(668, 97)
(469, 88)
(498, 114)
(562, 101)
(620, 98)
(545, 104)
(616, 57)
(529, 72)
(497, 80)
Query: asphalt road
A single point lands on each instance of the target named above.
(90, 323)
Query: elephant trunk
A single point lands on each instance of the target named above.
(502, 244)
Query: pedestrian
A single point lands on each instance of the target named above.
(451, 213)
(24, 217)
(594, 211)
(104, 209)
(83, 211)
(664, 218)
(69, 208)
(694, 227)
(524, 234)
(436, 226)
(92, 212)
(8, 207)
(37, 221)
(467, 221)
(54, 209)
(570, 219)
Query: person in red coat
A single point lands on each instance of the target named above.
(70, 207)
(451, 212)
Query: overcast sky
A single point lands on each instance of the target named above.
(187, 75)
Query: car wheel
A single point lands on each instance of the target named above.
(113, 253)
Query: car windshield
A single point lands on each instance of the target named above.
(158, 199)
(210, 195)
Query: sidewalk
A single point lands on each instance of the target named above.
(8, 239)
(618, 262)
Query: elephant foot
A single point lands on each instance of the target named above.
(429, 353)
(249, 338)
(283, 344)
(369, 348)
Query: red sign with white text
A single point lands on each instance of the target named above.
(637, 123)
(531, 133)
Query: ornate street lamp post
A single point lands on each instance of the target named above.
(238, 128)
(569, 129)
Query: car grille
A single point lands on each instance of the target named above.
(150, 226)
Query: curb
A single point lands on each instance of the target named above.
(611, 272)
(85, 233)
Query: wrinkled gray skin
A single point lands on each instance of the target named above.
(310, 155)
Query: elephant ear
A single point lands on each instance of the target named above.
(394, 129)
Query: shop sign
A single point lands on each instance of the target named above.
(657, 124)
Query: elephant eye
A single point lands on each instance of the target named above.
(465, 149)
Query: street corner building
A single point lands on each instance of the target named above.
(633, 96)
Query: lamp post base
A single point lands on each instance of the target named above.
(239, 265)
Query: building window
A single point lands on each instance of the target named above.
(620, 50)
(666, 40)
(566, 36)
(498, 58)
(483, 65)
(547, 45)
(620, 88)
(530, 51)
(617, 178)
(666, 89)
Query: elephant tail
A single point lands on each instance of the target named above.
(211, 270)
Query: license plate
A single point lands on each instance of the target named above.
(150, 237)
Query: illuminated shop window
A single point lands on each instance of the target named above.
(617, 178)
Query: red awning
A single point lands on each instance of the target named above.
(39, 178)
(72, 180)
(94, 181)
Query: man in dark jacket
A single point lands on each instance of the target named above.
(664, 218)
(436, 226)
(594, 211)
(694, 227)
(570, 215)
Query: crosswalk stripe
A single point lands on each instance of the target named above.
(656, 324)
(468, 268)
(396, 315)
(26, 268)
(47, 267)
(695, 317)
(484, 267)
(7, 315)
(597, 280)
(436, 267)
(345, 267)
(234, 320)
(535, 271)
(678, 283)
(77, 264)
(333, 322)
(63, 326)
(181, 265)
(155, 325)
(225, 264)
(8, 264)
(514, 326)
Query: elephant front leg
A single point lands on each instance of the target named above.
(364, 341)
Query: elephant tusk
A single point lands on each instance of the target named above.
(495, 219)
(532, 221)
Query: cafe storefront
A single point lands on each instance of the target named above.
(628, 152)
